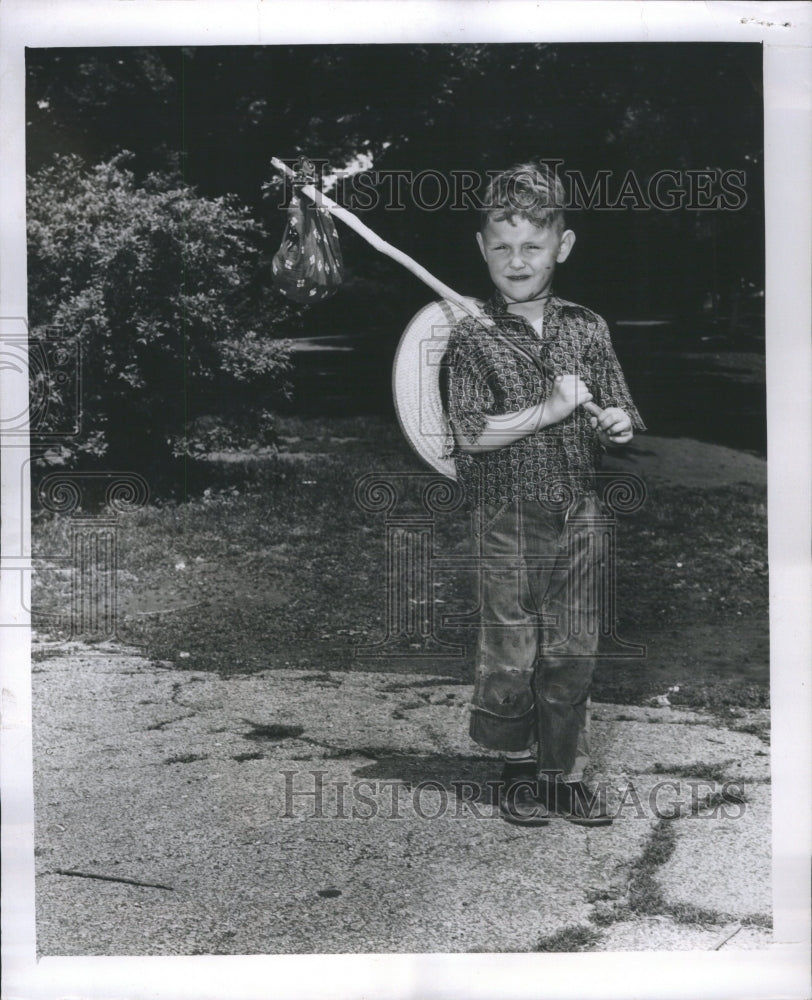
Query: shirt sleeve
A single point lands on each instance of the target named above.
(470, 399)
(608, 382)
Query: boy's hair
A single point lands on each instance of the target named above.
(530, 190)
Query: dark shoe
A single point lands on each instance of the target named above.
(574, 801)
(518, 796)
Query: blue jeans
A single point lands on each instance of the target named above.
(539, 630)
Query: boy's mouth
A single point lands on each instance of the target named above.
(517, 277)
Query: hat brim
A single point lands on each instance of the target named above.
(416, 383)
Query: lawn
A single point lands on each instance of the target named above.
(274, 565)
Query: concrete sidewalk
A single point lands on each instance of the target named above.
(179, 812)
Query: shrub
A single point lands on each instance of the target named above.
(165, 292)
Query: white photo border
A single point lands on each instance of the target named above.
(784, 31)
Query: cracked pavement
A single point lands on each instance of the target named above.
(294, 811)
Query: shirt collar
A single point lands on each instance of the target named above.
(497, 307)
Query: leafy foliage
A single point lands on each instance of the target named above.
(162, 289)
(443, 108)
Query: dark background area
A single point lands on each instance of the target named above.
(252, 568)
(213, 117)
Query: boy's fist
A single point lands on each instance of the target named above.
(567, 393)
(613, 426)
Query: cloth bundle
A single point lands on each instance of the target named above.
(308, 266)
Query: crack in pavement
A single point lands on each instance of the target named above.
(157, 726)
(109, 878)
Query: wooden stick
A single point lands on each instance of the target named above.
(382, 246)
(405, 260)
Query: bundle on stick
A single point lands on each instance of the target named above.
(308, 267)
(327, 205)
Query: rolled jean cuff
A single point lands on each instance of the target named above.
(496, 732)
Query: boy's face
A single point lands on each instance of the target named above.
(521, 257)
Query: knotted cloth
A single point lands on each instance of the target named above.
(308, 266)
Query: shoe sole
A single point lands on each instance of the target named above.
(587, 821)
(535, 818)
(529, 821)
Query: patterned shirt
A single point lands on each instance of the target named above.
(488, 376)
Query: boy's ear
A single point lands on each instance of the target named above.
(566, 245)
(481, 245)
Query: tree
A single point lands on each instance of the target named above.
(164, 292)
(217, 114)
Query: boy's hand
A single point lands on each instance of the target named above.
(614, 426)
(567, 393)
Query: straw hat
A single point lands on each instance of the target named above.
(416, 382)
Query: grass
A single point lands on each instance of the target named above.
(708, 772)
(274, 565)
(645, 896)
(760, 729)
(575, 938)
(185, 758)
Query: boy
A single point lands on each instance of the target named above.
(528, 439)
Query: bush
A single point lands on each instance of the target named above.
(165, 291)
